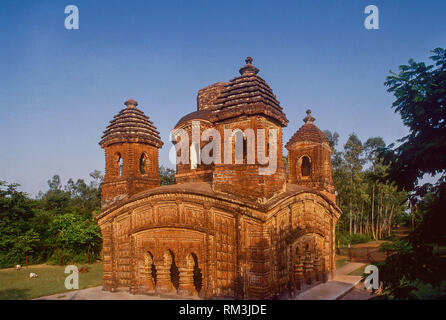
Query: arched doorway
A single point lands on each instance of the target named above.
(308, 259)
(174, 273)
(198, 276)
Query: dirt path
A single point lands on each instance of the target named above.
(370, 244)
(402, 232)
(358, 293)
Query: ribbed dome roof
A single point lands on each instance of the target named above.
(131, 125)
(196, 115)
(308, 132)
(250, 93)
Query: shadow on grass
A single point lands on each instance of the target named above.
(14, 294)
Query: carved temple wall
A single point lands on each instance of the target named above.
(197, 245)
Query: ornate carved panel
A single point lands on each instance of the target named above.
(194, 215)
(167, 213)
(225, 249)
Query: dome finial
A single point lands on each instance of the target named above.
(248, 69)
(309, 118)
(131, 103)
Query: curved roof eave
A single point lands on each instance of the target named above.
(205, 189)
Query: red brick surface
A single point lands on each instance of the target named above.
(223, 230)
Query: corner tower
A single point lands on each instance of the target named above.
(131, 144)
(309, 158)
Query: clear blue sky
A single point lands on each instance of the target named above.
(60, 88)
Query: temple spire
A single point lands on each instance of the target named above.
(131, 103)
(248, 68)
(309, 118)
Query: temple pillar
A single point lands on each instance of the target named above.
(317, 266)
(163, 279)
(107, 256)
(146, 281)
(186, 285)
(299, 272)
(308, 267)
(325, 274)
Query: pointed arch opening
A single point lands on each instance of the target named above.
(174, 272)
(198, 276)
(144, 164)
(305, 166)
(119, 164)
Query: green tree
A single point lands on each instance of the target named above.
(59, 222)
(76, 236)
(17, 238)
(167, 175)
(420, 92)
(353, 155)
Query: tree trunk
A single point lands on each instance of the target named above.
(351, 217)
(390, 221)
(373, 211)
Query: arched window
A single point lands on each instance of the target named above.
(194, 155)
(119, 164)
(144, 164)
(240, 147)
(306, 167)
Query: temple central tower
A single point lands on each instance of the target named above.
(247, 106)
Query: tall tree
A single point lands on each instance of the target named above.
(371, 149)
(420, 92)
(353, 150)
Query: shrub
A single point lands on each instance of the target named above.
(346, 238)
(71, 257)
(399, 246)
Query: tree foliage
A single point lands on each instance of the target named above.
(415, 271)
(420, 92)
(371, 207)
(167, 175)
(60, 222)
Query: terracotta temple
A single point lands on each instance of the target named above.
(223, 230)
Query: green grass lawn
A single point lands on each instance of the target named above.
(358, 272)
(16, 285)
(340, 263)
